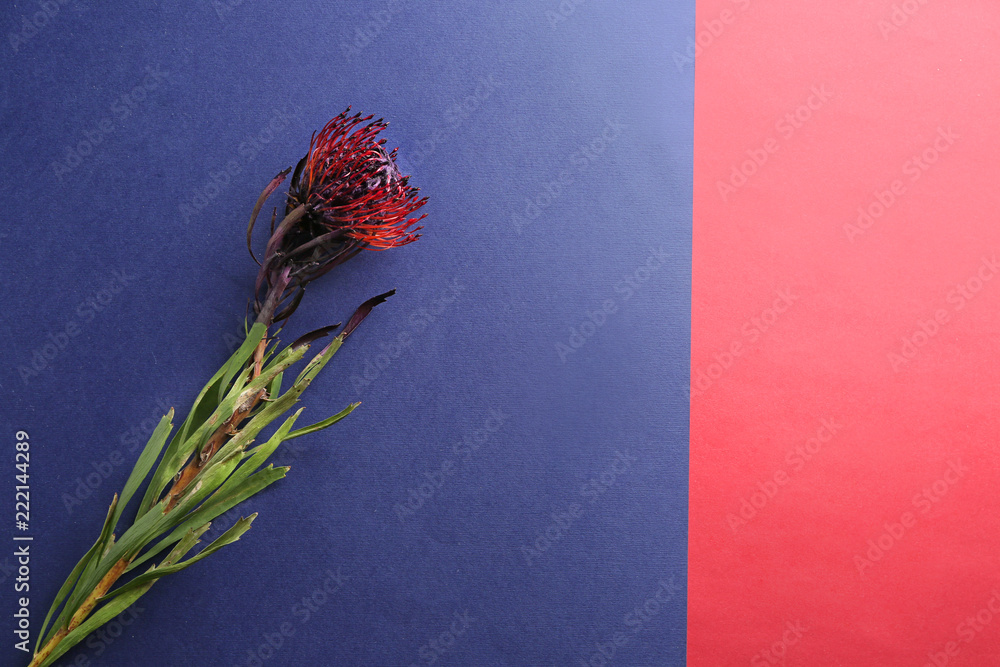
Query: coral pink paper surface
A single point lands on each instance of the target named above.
(845, 465)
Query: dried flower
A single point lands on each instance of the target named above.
(346, 194)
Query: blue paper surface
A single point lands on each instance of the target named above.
(513, 489)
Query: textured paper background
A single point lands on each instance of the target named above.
(575, 107)
(843, 480)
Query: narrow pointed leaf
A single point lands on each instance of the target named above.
(214, 507)
(363, 311)
(259, 421)
(204, 405)
(319, 426)
(145, 463)
(237, 488)
(274, 388)
(256, 457)
(268, 191)
(316, 334)
(203, 485)
(147, 578)
(87, 579)
(65, 589)
(256, 334)
(203, 431)
(119, 604)
(317, 363)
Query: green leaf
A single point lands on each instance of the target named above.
(145, 463)
(66, 588)
(218, 504)
(279, 405)
(228, 537)
(287, 357)
(256, 457)
(228, 406)
(207, 414)
(268, 375)
(265, 416)
(87, 579)
(317, 363)
(280, 356)
(275, 387)
(236, 363)
(234, 490)
(319, 426)
(213, 476)
(119, 603)
(224, 482)
(156, 521)
(204, 404)
(174, 461)
(169, 466)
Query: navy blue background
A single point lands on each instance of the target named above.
(134, 142)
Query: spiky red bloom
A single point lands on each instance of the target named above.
(351, 184)
(345, 195)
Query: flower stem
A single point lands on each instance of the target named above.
(174, 494)
(81, 614)
(48, 648)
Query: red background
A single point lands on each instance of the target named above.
(799, 556)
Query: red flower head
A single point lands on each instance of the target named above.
(350, 184)
(346, 195)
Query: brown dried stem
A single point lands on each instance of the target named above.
(81, 614)
(224, 432)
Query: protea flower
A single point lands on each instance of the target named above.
(346, 194)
